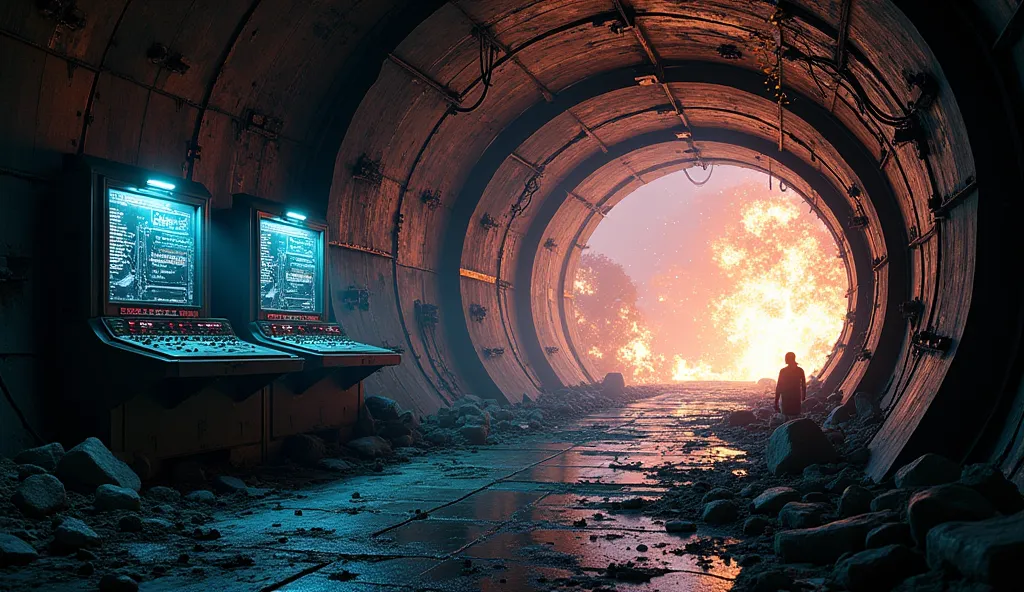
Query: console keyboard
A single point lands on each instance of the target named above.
(200, 338)
(324, 338)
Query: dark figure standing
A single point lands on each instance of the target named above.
(791, 388)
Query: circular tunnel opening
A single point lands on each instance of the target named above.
(711, 275)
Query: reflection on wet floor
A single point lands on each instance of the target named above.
(532, 516)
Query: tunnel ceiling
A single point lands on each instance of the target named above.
(447, 142)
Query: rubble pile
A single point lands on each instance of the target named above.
(805, 516)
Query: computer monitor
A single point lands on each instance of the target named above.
(290, 262)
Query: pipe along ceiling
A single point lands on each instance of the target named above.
(463, 152)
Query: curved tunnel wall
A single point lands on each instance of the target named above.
(285, 99)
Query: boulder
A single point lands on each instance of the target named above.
(750, 491)
(988, 551)
(14, 551)
(763, 413)
(926, 471)
(855, 500)
(112, 497)
(801, 515)
(370, 447)
(613, 384)
(475, 434)
(772, 500)
(866, 405)
(401, 442)
(834, 399)
(847, 477)
(931, 507)
(118, 583)
(877, 570)
(394, 429)
(718, 493)
(756, 525)
(40, 495)
(440, 437)
(72, 533)
(720, 512)
(991, 483)
(796, 444)
(826, 543)
(43, 456)
(741, 418)
(937, 581)
(894, 499)
(89, 465)
(859, 456)
(897, 533)
(841, 414)
(811, 405)
(202, 496)
(814, 497)
(130, 523)
(303, 449)
(680, 526)
(383, 408)
(229, 484)
(160, 493)
(26, 471)
(335, 464)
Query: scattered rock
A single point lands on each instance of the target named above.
(811, 405)
(130, 523)
(72, 533)
(303, 449)
(756, 525)
(772, 500)
(741, 418)
(118, 583)
(89, 465)
(750, 491)
(474, 434)
(229, 484)
(897, 533)
(43, 456)
(394, 429)
(718, 493)
(815, 497)
(370, 447)
(14, 551)
(613, 384)
(40, 495)
(866, 405)
(894, 499)
(335, 464)
(826, 543)
(404, 442)
(926, 471)
(164, 494)
(860, 456)
(767, 581)
(834, 399)
(945, 503)
(383, 408)
(840, 414)
(847, 477)
(797, 444)
(112, 497)
(680, 526)
(720, 512)
(157, 524)
(877, 569)
(801, 515)
(988, 551)
(202, 496)
(26, 471)
(855, 500)
(991, 483)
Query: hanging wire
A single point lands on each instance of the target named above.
(488, 58)
(686, 172)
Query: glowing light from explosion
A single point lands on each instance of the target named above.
(735, 282)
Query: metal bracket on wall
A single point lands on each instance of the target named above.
(494, 352)
(477, 312)
(551, 349)
(912, 310)
(940, 206)
(879, 262)
(431, 199)
(550, 244)
(427, 315)
(920, 240)
(65, 12)
(368, 170)
(489, 222)
(930, 342)
(262, 124)
(172, 61)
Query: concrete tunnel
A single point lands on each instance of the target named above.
(463, 152)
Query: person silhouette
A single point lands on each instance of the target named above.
(791, 388)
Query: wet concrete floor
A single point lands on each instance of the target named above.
(508, 517)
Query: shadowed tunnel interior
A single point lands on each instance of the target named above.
(463, 152)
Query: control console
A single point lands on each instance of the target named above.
(319, 338)
(175, 338)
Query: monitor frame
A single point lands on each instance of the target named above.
(260, 215)
(201, 229)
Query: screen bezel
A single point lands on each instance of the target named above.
(140, 308)
(280, 315)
